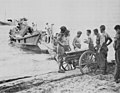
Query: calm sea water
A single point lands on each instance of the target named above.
(15, 62)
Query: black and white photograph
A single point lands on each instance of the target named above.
(59, 46)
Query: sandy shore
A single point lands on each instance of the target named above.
(70, 82)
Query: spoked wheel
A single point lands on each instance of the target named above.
(87, 62)
(67, 66)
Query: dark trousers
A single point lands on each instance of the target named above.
(117, 69)
(104, 52)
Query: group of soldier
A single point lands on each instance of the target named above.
(103, 40)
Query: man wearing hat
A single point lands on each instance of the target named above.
(63, 29)
(76, 41)
(60, 48)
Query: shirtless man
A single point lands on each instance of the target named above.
(97, 34)
(89, 41)
(76, 41)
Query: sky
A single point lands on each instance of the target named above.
(75, 14)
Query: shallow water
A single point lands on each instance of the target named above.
(14, 62)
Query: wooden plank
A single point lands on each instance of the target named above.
(20, 38)
(75, 53)
(29, 40)
(27, 37)
(27, 44)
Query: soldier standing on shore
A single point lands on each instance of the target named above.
(89, 40)
(105, 40)
(97, 34)
(60, 48)
(117, 53)
(76, 41)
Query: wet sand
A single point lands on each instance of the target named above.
(26, 65)
(69, 82)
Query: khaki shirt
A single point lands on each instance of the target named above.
(103, 37)
(117, 42)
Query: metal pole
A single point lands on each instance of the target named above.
(5, 16)
(52, 34)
